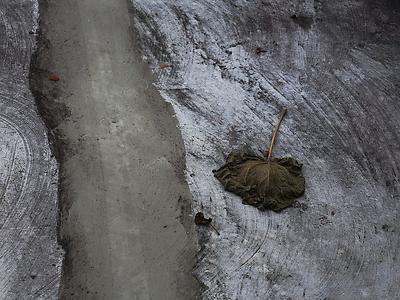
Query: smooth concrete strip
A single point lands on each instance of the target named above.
(123, 191)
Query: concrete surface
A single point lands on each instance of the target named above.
(123, 195)
(30, 258)
(335, 66)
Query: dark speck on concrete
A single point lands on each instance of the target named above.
(304, 22)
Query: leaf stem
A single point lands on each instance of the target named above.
(275, 132)
(212, 226)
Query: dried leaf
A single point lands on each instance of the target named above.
(54, 77)
(199, 219)
(263, 181)
(265, 184)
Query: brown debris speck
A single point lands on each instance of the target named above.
(54, 77)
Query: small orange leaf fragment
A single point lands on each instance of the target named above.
(54, 77)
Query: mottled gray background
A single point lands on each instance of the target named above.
(333, 64)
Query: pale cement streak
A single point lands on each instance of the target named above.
(123, 172)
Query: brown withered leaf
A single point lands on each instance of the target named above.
(201, 220)
(266, 184)
(263, 181)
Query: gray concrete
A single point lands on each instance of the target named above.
(30, 258)
(124, 198)
(335, 66)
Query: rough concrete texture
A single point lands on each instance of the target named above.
(30, 258)
(335, 66)
(125, 204)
